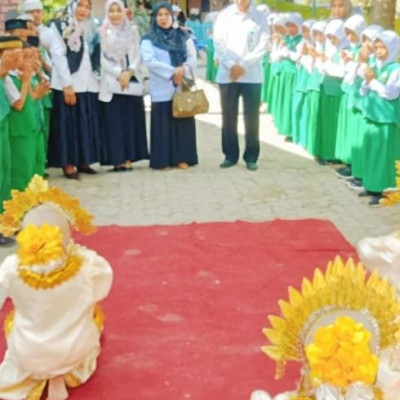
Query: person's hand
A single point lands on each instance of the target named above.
(41, 90)
(369, 74)
(69, 96)
(26, 72)
(346, 57)
(304, 49)
(363, 57)
(124, 79)
(323, 57)
(236, 72)
(179, 73)
(311, 51)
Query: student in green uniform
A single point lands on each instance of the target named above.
(381, 110)
(290, 53)
(347, 123)
(26, 136)
(277, 42)
(313, 87)
(299, 111)
(331, 93)
(367, 57)
(267, 63)
(10, 52)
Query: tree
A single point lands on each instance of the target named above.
(383, 12)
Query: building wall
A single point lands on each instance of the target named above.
(5, 6)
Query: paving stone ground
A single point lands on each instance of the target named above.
(287, 185)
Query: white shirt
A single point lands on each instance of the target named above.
(240, 38)
(161, 71)
(12, 92)
(84, 80)
(110, 69)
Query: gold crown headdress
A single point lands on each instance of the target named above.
(39, 192)
(339, 296)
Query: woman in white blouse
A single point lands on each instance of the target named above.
(169, 54)
(74, 141)
(121, 92)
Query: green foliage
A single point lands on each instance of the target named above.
(50, 7)
(306, 11)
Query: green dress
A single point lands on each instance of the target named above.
(381, 145)
(299, 108)
(5, 156)
(212, 69)
(356, 102)
(26, 141)
(267, 73)
(347, 121)
(312, 105)
(331, 94)
(287, 84)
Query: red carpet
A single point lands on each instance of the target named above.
(185, 314)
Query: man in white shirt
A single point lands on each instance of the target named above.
(241, 37)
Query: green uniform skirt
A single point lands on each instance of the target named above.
(283, 118)
(328, 123)
(212, 69)
(267, 73)
(381, 150)
(5, 162)
(357, 144)
(312, 139)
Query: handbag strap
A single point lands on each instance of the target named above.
(186, 85)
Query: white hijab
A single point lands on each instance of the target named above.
(391, 40)
(295, 19)
(372, 32)
(356, 23)
(116, 40)
(335, 28)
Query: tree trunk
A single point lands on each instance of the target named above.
(383, 12)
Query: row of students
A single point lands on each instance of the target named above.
(89, 65)
(333, 87)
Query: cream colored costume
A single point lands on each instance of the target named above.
(53, 333)
(322, 312)
(383, 254)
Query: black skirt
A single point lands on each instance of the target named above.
(123, 130)
(74, 131)
(172, 140)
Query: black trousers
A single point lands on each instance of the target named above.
(230, 94)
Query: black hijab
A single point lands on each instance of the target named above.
(172, 39)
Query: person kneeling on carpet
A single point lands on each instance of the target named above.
(53, 332)
(343, 326)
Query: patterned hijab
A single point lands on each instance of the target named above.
(172, 39)
(116, 40)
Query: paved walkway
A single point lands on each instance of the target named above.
(288, 185)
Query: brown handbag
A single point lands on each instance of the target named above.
(188, 102)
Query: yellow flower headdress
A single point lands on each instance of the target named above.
(38, 192)
(343, 297)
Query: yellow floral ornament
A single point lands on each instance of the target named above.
(340, 354)
(393, 197)
(38, 192)
(335, 325)
(39, 245)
